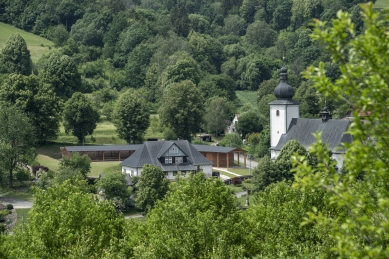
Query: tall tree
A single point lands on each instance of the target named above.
(62, 73)
(152, 185)
(131, 116)
(15, 57)
(218, 112)
(80, 117)
(37, 100)
(114, 185)
(182, 109)
(180, 20)
(250, 122)
(17, 140)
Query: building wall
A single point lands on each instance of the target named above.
(207, 169)
(279, 123)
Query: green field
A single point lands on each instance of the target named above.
(37, 45)
(24, 213)
(246, 97)
(381, 4)
(21, 194)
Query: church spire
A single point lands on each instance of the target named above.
(284, 91)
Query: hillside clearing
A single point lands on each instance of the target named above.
(36, 44)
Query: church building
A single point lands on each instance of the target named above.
(286, 124)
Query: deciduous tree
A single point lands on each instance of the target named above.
(78, 163)
(17, 140)
(152, 187)
(80, 117)
(15, 57)
(218, 112)
(61, 73)
(131, 116)
(37, 100)
(182, 109)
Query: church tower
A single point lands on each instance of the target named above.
(282, 110)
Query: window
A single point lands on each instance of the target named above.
(277, 113)
(174, 173)
(178, 159)
(168, 160)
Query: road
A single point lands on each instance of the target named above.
(18, 204)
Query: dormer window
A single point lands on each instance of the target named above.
(168, 160)
(178, 159)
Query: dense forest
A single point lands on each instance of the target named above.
(107, 46)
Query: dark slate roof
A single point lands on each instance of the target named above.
(302, 130)
(149, 151)
(103, 148)
(216, 149)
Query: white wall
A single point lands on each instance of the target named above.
(339, 159)
(280, 124)
(277, 123)
(207, 169)
(131, 171)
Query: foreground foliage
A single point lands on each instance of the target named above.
(363, 188)
(66, 222)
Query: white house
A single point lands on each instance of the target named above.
(173, 157)
(232, 128)
(286, 125)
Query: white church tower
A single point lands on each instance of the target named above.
(282, 111)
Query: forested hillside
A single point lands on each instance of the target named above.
(220, 46)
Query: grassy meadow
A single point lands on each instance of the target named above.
(36, 44)
(246, 97)
(381, 4)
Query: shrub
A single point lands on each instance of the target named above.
(10, 206)
(35, 168)
(2, 228)
(3, 213)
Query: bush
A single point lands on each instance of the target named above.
(35, 168)
(10, 206)
(2, 228)
(3, 213)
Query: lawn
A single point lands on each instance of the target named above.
(247, 97)
(98, 168)
(21, 194)
(242, 200)
(36, 44)
(132, 211)
(240, 171)
(381, 4)
(24, 213)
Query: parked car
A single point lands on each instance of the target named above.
(215, 174)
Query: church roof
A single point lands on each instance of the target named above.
(150, 151)
(284, 91)
(302, 130)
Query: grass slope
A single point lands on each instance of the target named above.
(381, 4)
(36, 44)
(246, 97)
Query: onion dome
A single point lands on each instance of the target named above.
(284, 91)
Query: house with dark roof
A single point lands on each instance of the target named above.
(173, 157)
(286, 125)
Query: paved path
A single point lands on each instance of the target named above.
(249, 163)
(18, 204)
(240, 194)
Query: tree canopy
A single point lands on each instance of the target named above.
(182, 109)
(131, 116)
(17, 140)
(15, 57)
(80, 117)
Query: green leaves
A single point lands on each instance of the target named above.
(80, 117)
(152, 187)
(15, 57)
(131, 116)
